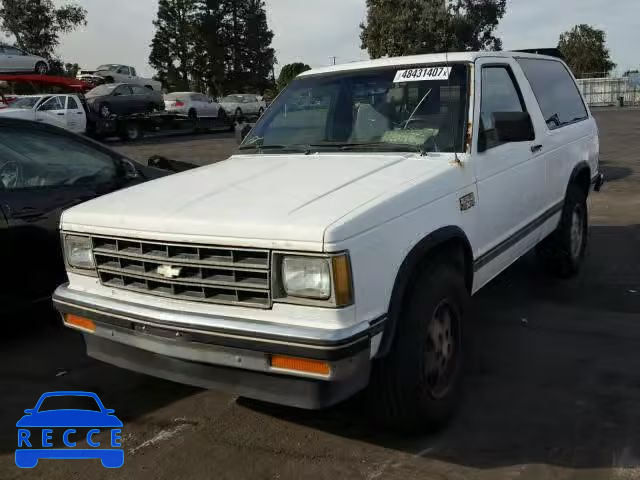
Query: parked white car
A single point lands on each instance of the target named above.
(115, 73)
(339, 249)
(194, 105)
(237, 105)
(65, 111)
(14, 60)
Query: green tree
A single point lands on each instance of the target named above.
(406, 27)
(584, 48)
(38, 24)
(173, 45)
(257, 55)
(234, 50)
(289, 72)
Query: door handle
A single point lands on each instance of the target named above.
(536, 148)
(60, 114)
(79, 113)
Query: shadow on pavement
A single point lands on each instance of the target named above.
(553, 376)
(42, 356)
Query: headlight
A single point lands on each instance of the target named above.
(314, 280)
(78, 252)
(306, 277)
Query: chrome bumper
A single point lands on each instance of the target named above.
(226, 353)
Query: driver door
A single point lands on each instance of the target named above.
(42, 173)
(53, 112)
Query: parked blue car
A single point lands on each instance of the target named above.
(97, 417)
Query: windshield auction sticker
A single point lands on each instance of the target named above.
(422, 74)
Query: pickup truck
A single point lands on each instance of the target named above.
(64, 111)
(339, 249)
(113, 73)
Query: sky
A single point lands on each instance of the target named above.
(312, 31)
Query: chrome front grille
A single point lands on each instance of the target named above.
(223, 275)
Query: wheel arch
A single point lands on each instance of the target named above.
(581, 176)
(450, 238)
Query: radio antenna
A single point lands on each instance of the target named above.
(448, 29)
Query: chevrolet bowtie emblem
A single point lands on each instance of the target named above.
(168, 271)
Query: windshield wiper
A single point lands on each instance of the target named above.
(306, 149)
(382, 146)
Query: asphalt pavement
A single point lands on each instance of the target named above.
(553, 383)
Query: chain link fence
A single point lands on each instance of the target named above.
(608, 92)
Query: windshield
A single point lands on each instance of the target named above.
(69, 402)
(110, 67)
(231, 99)
(395, 108)
(25, 102)
(102, 90)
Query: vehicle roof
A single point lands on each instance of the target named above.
(453, 57)
(185, 93)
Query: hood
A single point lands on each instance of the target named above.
(268, 201)
(22, 113)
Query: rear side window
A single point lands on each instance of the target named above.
(556, 92)
(71, 104)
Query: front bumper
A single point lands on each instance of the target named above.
(229, 354)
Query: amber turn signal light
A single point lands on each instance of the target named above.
(80, 322)
(342, 280)
(317, 367)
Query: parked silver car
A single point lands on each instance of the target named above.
(14, 60)
(195, 105)
(240, 104)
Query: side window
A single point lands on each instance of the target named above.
(556, 92)
(122, 90)
(499, 94)
(32, 158)
(54, 103)
(123, 70)
(133, 72)
(12, 51)
(139, 90)
(72, 104)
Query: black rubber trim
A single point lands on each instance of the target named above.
(285, 390)
(320, 350)
(516, 237)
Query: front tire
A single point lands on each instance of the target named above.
(416, 387)
(562, 253)
(104, 110)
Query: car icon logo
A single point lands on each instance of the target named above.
(36, 431)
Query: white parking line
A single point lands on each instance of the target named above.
(162, 436)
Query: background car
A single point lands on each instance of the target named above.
(43, 171)
(14, 60)
(65, 111)
(115, 73)
(240, 104)
(123, 99)
(195, 105)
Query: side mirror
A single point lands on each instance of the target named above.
(242, 130)
(513, 126)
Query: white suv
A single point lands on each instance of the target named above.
(338, 251)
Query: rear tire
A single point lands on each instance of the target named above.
(238, 113)
(562, 253)
(131, 131)
(42, 68)
(416, 387)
